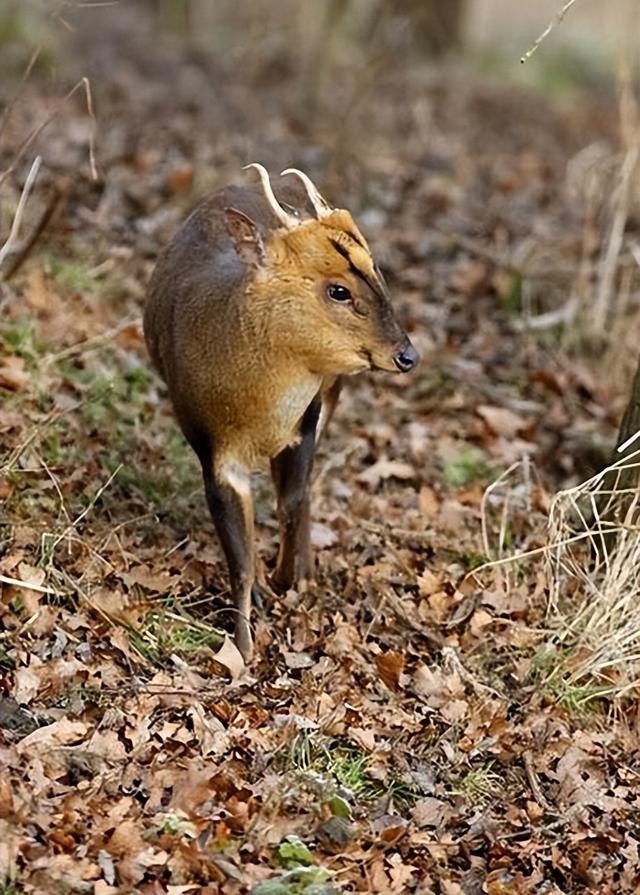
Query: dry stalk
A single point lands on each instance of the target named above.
(534, 783)
(38, 588)
(627, 444)
(23, 253)
(92, 343)
(607, 184)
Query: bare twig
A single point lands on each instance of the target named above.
(15, 227)
(547, 31)
(452, 662)
(6, 114)
(38, 230)
(55, 484)
(84, 84)
(534, 783)
(91, 343)
(88, 508)
(404, 615)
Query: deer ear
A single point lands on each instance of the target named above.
(244, 236)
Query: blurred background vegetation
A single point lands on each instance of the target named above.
(491, 34)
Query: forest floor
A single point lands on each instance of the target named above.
(414, 722)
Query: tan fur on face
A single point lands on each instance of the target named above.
(298, 267)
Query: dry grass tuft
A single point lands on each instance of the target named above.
(593, 569)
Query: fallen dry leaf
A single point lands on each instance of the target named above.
(230, 658)
(385, 469)
(390, 666)
(501, 420)
(59, 733)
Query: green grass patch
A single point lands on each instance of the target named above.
(580, 700)
(512, 302)
(72, 275)
(20, 338)
(170, 630)
(6, 662)
(551, 671)
(480, 785)
(301, 874)
(346, 768)
(118, 403)
(11, 887)
(86, 695)
(172, 825)
(470, 465)
(298, 881)
(472, 560)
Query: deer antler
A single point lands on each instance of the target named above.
(321, 206)
(287, 220)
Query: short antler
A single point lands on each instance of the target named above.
(321, 206)
(287, 220)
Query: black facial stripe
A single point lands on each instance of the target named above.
(375, 287)
(340, 249)
(355, 239)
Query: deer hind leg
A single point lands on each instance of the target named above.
(291, 471)
(228, 491)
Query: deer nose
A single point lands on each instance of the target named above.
(406, 358)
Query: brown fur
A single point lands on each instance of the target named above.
(239, 325)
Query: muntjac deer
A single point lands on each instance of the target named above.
(255, 311)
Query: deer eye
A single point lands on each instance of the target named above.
(338, 292)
